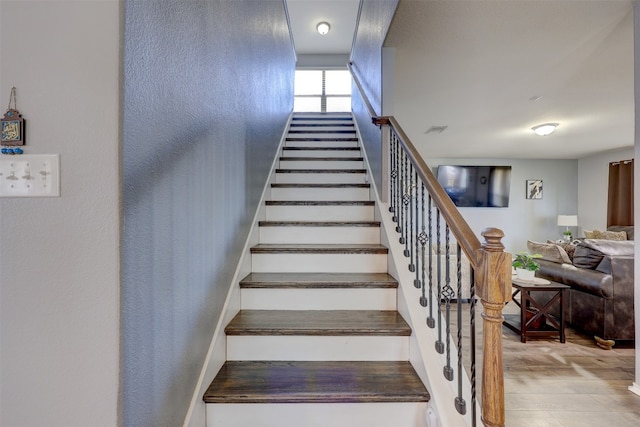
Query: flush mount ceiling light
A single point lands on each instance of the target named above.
(545, 129)
(323, 28)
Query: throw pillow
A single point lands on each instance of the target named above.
(587, 257)
(549, 251)
(626, 228)
(569, 248)
(610, 235)
(588, 234)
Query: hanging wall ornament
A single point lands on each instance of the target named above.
(12, 124)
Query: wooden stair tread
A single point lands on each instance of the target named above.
(337, 248)
(333, 117)
(298, 139)
(318, 323)
(319, 223)
(319, 203)
(318, 280)
(290, 185)
(322, 159)
(315, 382)
(339, 131)
(321, 171)
(321, 148)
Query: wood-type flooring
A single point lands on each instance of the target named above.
(575, 384)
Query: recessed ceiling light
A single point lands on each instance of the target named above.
(545, 129)
(323, 28)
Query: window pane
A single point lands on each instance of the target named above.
(307, 104)
(308, 82)
(338, 82)
(337, 104)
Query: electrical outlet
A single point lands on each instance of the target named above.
(30, 175)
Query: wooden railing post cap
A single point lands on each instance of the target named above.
(492, 239)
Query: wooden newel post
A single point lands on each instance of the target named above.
(493, 286)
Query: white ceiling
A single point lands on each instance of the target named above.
(305, 15)
(490, 70)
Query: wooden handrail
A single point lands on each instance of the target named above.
(491, 264)
(375, 118)
(466, 238)
(459, 227)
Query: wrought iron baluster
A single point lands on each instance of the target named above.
(472, 344)
(447, 293)
(439, 343)
(422, 239)
(410, 230)
(461, 405)
(393, 174)
(406, 188)
(431, 322)
(401, 183)
(414, 229)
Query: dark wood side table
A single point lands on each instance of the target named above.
(526, 327)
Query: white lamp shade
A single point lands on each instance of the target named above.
(568, 220)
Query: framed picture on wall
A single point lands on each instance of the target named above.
(534, 189)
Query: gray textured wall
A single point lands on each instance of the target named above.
(208, 86)
(366, 58)
(59, 256)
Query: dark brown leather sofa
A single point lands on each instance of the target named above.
(601, 277)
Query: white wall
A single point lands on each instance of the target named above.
(59, 262)
(525, 219)
(593, 187)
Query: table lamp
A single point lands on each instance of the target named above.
(567, 221)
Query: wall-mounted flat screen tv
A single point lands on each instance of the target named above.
(476, 186)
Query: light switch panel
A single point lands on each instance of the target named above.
(30, 175)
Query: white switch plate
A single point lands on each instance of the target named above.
(30, 175)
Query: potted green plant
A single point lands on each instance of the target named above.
(525, 265)
(567, 235)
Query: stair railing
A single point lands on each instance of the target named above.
(426, 220)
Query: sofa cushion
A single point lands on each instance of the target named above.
(549, 251)
(590, 252)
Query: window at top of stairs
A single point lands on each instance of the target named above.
(322, 91)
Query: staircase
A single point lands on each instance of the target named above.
(318, 340)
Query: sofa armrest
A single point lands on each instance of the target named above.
(581, 279)
(622, 270)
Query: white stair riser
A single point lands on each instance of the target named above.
(321, 164)
(318, 235)
(319, 125)
(319, 299)
(321, 153)
(321, 178)
(324, 194)
(314, 263)
(320, 213)
(325, 134)
(405, 414)
(317, 348)
(330, 143)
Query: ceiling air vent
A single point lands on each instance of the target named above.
(436, 129)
